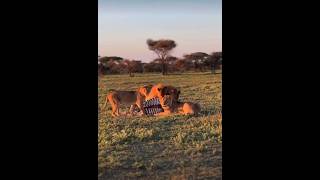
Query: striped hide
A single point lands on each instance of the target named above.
(152, 106)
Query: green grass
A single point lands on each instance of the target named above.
(174, 147)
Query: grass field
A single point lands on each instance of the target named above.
(175, 147)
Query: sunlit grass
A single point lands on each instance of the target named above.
(166, 147)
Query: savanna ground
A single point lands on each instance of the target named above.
(175, 147)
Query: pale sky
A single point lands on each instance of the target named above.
(125, 25)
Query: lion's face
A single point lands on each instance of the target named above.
(168, 96)
(144, 90)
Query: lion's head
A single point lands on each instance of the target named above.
(168, 96)
(144, 90)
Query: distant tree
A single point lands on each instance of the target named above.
(162, 48)
(197, 59)
(101, 72)
(214, 61)
(137, 66)
(133, 67)
(183, 65)
(111, 64)
(127, 64)
(100, 69)
(104, 60)
(152, 67)
(171, 61)
(157, 61)
(115, 58)
(113, 67)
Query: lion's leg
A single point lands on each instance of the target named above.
(140, 106)
(114, 114)
(139, 103)
(131, 110)
(115, 108)
(118, 111)
(113, 105)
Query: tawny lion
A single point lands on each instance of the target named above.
(128, 98)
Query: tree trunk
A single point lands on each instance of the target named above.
(163, 68)
(201, 67)
(213, 69)
(196, 66)
(166, 68)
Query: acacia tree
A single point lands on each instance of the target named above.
(171, 61)
(162, 48)
(137, 66)
(101, 71)
(110, 64)
(197, 59)
(127, 64)
(133, 66)
(183, 65)
(214, 61)
(152, 67)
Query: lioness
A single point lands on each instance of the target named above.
(131, 98)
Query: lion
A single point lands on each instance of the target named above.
(169, 100)
(128, 98)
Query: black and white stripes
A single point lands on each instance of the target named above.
(152, 106)
(151, 102)
(151, 111)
